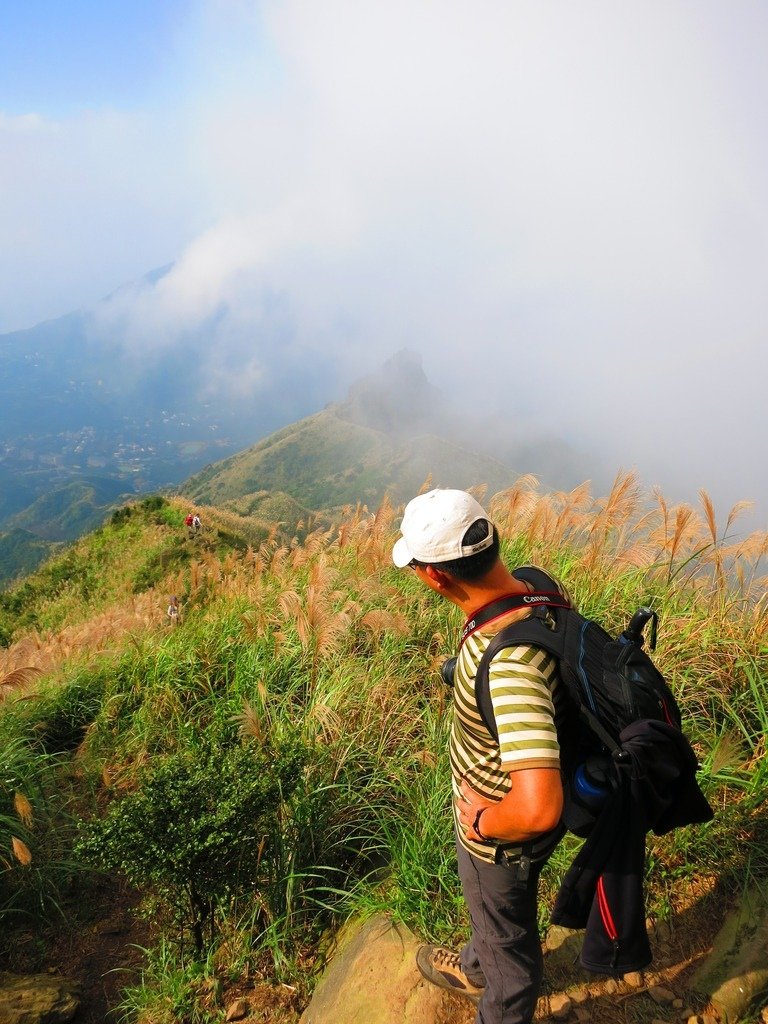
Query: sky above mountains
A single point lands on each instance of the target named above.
(563, 207)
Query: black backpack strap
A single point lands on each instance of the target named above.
(600, 731)
(537, 578)
(563, 638)
(529, 631)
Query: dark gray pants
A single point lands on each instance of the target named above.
(504, 952)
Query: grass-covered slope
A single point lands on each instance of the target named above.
(327, 461)
(20, 553)
(385, 439)
(62, 514)
(276, 761)
(138, 548)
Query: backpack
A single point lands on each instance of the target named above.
(627, 767)
(610, 683)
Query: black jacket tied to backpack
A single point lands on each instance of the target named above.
(654, 789)
(625, 720)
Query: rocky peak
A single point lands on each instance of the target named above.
(397, 399)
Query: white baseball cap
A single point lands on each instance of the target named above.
(434, 525)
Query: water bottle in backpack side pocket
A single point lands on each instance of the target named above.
(591, 784)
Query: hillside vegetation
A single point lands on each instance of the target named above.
(391, 432)
(276, 761)
(327, 460)
(20, 553)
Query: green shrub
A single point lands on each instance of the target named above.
(153, 502)
(121, 515)
(170, 515)
(200, 830)
(20, 607)
(55, 722)
(12, 601)
(231, 541)
(156, 509)
(6, 628)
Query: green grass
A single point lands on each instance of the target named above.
(323, 642)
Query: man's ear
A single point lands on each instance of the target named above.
(445, 585)
(440, 580)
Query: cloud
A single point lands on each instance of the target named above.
(85, 203)
(562, 206)
(24, 124)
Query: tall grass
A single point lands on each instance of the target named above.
(325, 641)
(35, 833)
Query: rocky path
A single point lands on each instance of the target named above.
(372, 976)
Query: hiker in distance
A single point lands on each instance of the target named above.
(193, 524)
(507, 793)
(174, 611)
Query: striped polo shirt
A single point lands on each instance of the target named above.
(528, 702)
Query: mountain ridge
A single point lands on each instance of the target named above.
(85, 399)
(362, 449)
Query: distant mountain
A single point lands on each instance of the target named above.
(376, 442)
(115, 401)
(70, 510)
(61, 514)
(73, 410)
(76, 397)
(109, 369)
(89, 401)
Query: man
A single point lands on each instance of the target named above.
(508, 796)
(173, 611)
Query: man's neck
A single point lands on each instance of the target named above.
(497, 584)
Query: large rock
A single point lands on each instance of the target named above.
(735, 975)
(562, 946)
(372, 978)
(37, 999)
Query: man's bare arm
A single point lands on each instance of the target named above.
(532, 806)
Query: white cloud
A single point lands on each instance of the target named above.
(85, 203)
(563, 206)
(25, 124)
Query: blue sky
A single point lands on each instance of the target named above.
(574, 194)
(64, 56)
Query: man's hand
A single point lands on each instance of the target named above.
(469, 803)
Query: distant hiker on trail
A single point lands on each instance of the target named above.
(189, 522)
(507, 792)
(196, 524)
(174, 611)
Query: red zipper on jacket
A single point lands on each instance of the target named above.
(605, 911)
(607, 918)
(667, 715)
